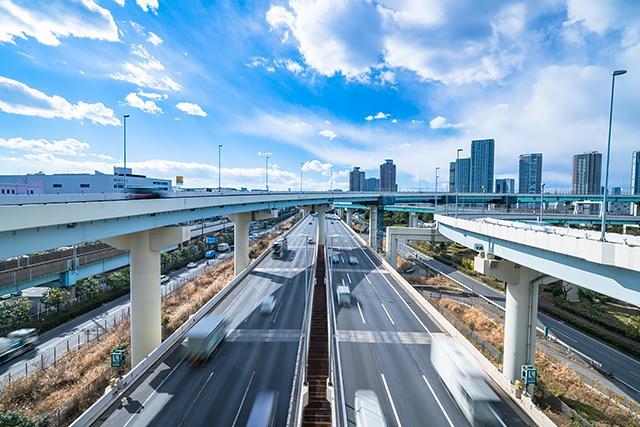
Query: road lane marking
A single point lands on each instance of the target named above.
(367, 277)
(497, 417)
(393, 406)
(243, 398)
(349, 277)
(361, 315)
(437, 401)
(195, 399)
(343, 284)
(388, 315)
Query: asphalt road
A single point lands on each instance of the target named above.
(258, 355)
(384, 344)
(625, 368)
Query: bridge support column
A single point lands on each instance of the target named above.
(145, 247)
(572, 290)
(349, 216)
(376, 227)
(391, 248)
(322, 223)
(413, 219)
(241, 223)
(521, 313)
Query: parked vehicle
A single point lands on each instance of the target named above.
(210, 254)
(465, 381)
(223, 247)
(263, 412)
(368, 410)
(279, 248)
(268, 305)
(17, 342)
(204, 337)
(344, 296)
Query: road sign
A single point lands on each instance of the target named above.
(179, 180)
(118, 358)
(529, 374)
(211, 240)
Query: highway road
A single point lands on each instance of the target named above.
(83, 328)
(625, 368)
(258, 355)
(384, 344)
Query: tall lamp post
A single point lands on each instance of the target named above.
(603, 228)
(435, 197)
(541, 200)
(124, 171)
(219, 157)
(301, 166)
(457, 177)
(266, 172)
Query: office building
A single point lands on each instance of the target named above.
(463, 175)
(586, 173)
(356, 179)
(80, 183)
(635, 173)
(388, 176)
(505, 185)
(618, 208)
(530, 173)
(452, 177)
(482, 165)
(372, 184)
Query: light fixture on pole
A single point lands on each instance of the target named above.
(457, 177)
(124, 171)
(603, 227)
(541, 200)
(219, 157)
(435, 196)
(266, 172)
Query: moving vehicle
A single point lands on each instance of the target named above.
(223, 247)
(310, 240)
(164, 279)
(17, 342)
(192, 265)
(353, 260)
(210, 254)
(465, 381)
(335, 259)
(204, 337)
(268, 305)
(263, 412)
(368, 410)
(279, 248)
(344, 296)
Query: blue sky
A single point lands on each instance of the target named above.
(321, 83)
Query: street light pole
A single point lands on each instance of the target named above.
(603, 228)
(331, 179)
(457, 178)
(219, 157)
(541, 200)
(266, 172)
(435, 197)
(124, 171)
(301, 165)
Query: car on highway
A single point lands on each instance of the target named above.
(164, 279)
(368, 410)
(344, 296)
(310, 240)
(335, 259)
(192, 265)
(353, 260)
(263, 411)
(268, 305)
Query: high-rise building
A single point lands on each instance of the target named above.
(635, 173)
(463, 175)
(452, 177)
(372, 184)
(530, 173)
(388, 176)
(356, 179)
(586, 173)
(505, 185)
(482, 162)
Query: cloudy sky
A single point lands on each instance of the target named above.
(332, 83)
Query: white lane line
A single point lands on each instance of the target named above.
(154, 391)
(388, 315)
(437, 401)
(195, 399)
(349, 277)
(395, 413)
(497, 417)
(244, 396)
(342, 259)
(568, 337)
(633, 373)
(343, 284)
(361, 315)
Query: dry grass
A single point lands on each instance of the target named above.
(433, 281)
(489, 330)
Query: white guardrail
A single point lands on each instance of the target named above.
(92, 414)
(524, 402)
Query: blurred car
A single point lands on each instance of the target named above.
(192, 265)
(164, 279)
(335, 259)
(353, 260)
(268, 305)
(310, 241)
(263, 412)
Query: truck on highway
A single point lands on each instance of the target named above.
(465, 381)
(223, 247)
(16, 343)
(368, 410)
(279, 248)
(204, 337)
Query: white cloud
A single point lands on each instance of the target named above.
(378, 116)
(328, 133)
(394, 120)
(191, 109)
(136, 100)
(146, 71)
(316, 166)
(154, 39)
(271, 65)
(18, 98)
(148, 5)
(66, 147)
(119, 2)
(50, 20)
(439, 122)
(264, 154)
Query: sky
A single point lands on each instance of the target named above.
(317, 86)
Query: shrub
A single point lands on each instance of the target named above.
(15, 419)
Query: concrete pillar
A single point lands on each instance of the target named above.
(349, 214)
(144, 248)
(241, 223)
(373, 227)
(413, 219)
(391, 248)
(572, 290)
(322, 223)
(520, 312)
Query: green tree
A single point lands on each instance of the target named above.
(15, 419)
(55, 297)
(118, 279)
(18, 312)
(88, 289)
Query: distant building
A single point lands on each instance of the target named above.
(586, 173)
(482, 165)
(356, 179)
(452, 177)
(372, 184)
(635, 173)
(618, 208)
(505, 185)
(388, 176)
(79, 183)
(463, 175)
(530, 173)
